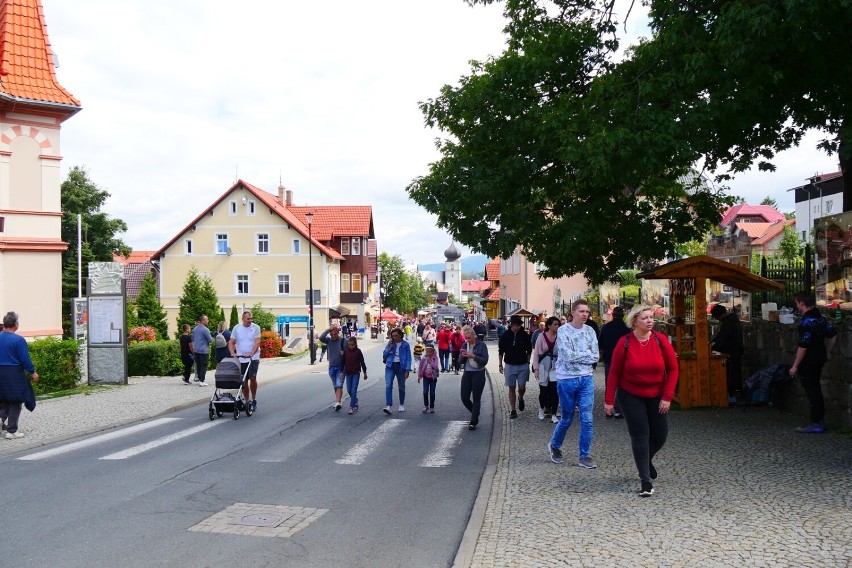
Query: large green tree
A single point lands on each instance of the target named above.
(588, 163)
(404, 292)
(149, 310)
(99, 232)
(198, 298)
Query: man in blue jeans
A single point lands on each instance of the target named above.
(397, 359)
(577, 351)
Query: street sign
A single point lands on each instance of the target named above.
(292, 319)
(317, 298)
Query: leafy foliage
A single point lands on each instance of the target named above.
(554, 142)
(149, 310)
(404, 292)
(198, 298)
(234, 317)
(80, 195)
(141, 334)
(56, 363)
(154, 359)
(264, 318)
(790, 247)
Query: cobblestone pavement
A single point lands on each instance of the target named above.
(735, 488)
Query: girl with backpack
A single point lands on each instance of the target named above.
(544, 369)
(220, 342)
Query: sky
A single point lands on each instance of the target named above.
(181, 98)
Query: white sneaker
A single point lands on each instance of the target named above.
(401, 408)
(554, 419)
(202, 384)
(387, 409)
(541, 414)
(15, 436)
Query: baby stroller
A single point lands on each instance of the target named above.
(229, 377)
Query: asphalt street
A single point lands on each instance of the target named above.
(181, 490)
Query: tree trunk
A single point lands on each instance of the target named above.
(845, 155)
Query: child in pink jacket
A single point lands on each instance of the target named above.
(428, 373)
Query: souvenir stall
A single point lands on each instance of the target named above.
(702, 379)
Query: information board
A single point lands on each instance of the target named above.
(106, 320)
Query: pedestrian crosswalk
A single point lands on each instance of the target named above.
(437, 452)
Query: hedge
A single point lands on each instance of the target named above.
(154, 358)
(56, 364)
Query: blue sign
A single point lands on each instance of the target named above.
(293, 319)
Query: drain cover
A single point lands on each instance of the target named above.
(260, 520)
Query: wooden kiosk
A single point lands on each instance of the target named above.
(702, 380)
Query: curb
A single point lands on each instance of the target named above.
(464, 555)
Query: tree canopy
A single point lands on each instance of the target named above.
(589, 164)
(100, 241)
(197, 298)
(403, 292)
(149, 310)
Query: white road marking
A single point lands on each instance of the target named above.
(130, 452)
(442, 455)
(359, 452)
(96, 439)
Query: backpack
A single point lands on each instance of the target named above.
(653, 334)
(220, 341)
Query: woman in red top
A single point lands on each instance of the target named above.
(645, 371)
(456, 341)
(444, 337)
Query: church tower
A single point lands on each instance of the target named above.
(33, 106)
(452, 271)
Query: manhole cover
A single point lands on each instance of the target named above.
(260, 520)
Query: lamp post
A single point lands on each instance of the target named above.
(381, 301)
(311, 345)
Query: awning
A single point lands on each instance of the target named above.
(715, 269)
(338, 311)
(520, 312)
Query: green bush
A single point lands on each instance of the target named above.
(56, 364)
(154, 358)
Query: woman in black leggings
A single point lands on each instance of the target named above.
(474, 357)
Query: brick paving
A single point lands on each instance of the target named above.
(735, 488)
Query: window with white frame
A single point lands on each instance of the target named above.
(356, 283)
(252, 207)
(356, 246)
(187, 249)
(232, 208)
(365, 249)
(344, 283)
(221, 243)
(828, 205)
(242, 281)
(297, 246)
(344, 246)
(263, 243)
(282, 284)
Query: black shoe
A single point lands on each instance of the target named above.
(186, 382)
(555, 454)
(471, 426)
(653, 470)
(647, 489)
(513, 415)
(608, 416)
(521, 404)
(618, 415)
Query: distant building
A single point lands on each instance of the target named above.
(136, 267)
(521, 286)
(822, 196)
(450, 279)
(33, 106)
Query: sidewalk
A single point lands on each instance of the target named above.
(735, 488)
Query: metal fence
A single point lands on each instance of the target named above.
(795, 275)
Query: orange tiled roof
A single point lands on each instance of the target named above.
(492, 270)
(753, 230)
(26, 59)
(270, 201)
(136, 257)
(475, 285)
(337, 220)
(773, 231)
(492, 294)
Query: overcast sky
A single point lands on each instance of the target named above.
(181, 97)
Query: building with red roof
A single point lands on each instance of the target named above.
(257, 248)
(33, 106)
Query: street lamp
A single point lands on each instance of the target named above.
(311, 345)
(381, 301)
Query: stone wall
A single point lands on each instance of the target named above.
(767, 343)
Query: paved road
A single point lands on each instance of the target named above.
(179, 489)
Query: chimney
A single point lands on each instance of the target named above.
(289, 198)
(281, 193)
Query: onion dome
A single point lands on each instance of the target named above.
(452, 253)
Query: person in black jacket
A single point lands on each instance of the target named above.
(611, 332)
(729, 340)
(516, 348)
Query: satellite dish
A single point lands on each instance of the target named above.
(228, 251)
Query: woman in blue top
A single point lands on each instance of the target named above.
(474, 357)
(15, 388)
(397, 358)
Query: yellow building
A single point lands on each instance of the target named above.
(33, 106)
(255, 250)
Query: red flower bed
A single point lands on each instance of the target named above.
(270, 344)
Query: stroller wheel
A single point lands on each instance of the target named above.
(236, 413)
(219, 413)
(210, 412)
